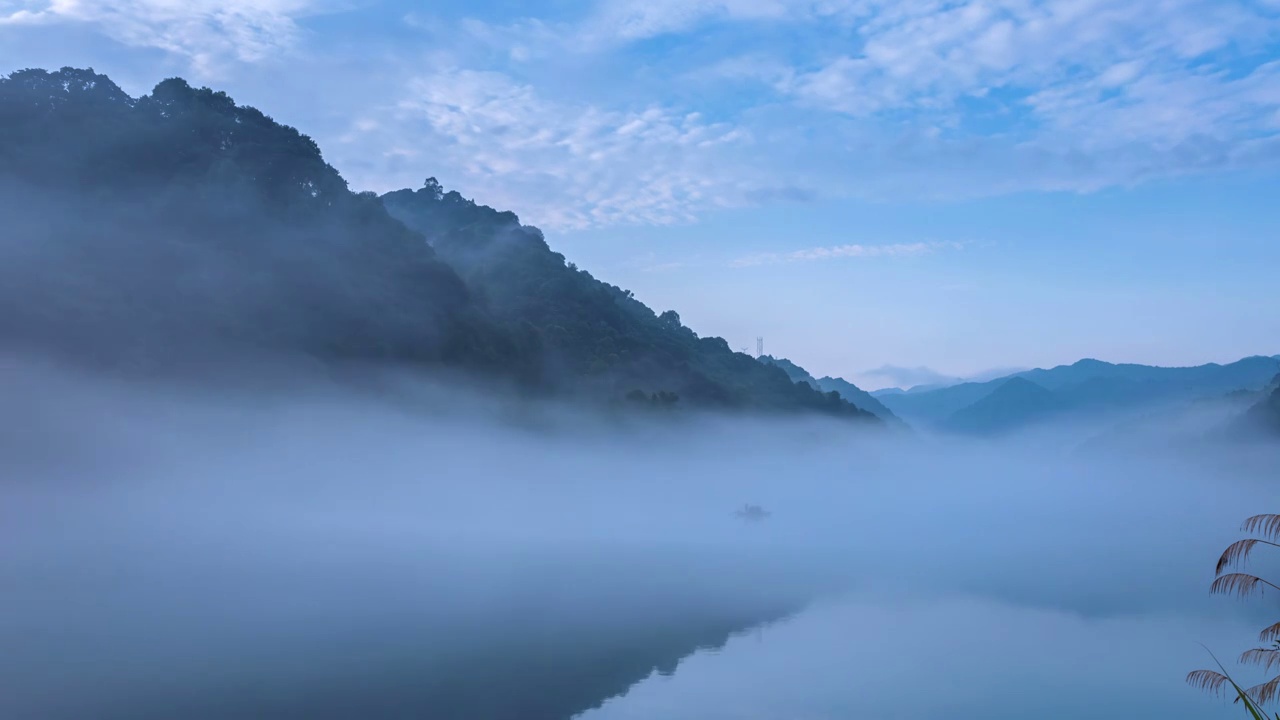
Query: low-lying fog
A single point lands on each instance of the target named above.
(302, 548)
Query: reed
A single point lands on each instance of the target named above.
(1230, 579)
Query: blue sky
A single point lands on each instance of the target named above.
(869, 184)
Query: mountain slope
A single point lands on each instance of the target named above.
(1262, 419)
(1211, 378)
(857, 396)
(180, 228)
(1266, 414)
(794, 372)
(931, 407)
(1096, 386)
(844, 388)
(597, 337)
(1015, 403)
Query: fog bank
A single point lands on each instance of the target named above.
(393, 547)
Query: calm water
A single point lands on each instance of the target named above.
(953, 657)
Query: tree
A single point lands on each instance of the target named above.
(1242, 584)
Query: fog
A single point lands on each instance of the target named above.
(302, 545)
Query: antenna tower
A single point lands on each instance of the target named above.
(759, 347)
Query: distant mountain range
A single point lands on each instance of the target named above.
(1088, 388)
(942, 381)
(847, 390)
(1014, 402)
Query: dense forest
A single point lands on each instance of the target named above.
(596, 337)
(179, 227)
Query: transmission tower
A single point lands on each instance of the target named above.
(759, 347)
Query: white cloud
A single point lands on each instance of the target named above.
(1090, 66)
(206, 32)
(612, 23)
(790, 100)
(962, 98)
(627, 20)
(835, 252)
(562, 164)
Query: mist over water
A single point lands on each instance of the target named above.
(394, 548)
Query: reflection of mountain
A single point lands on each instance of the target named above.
(507, 637)
(847, 390)
(1088, 389)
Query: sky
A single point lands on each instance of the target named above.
(885, 190)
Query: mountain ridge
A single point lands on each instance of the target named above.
(1093, 386)
(179, 229)
(847, 390)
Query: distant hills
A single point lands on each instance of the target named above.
(939, 381)
(1086, 389)
(1263, 418)
(846, 389)
(1013, 403)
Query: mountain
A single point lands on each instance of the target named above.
(942, 381)
(857, 396)
(1266, 414)
(1263, 417)
(935, 406)
(1208, 379)
(1093, 386)
(179, 229)
(1014, 403)
(596, 337)
(844, 388)
(794, 372)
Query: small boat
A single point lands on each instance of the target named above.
(752, 513)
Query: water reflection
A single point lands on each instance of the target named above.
(957, 657)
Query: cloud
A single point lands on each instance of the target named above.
(835, 252)
(562, 164)
(207, 33)
(631, 20)
(573, 120)
(1094, 72)
(650, 263)
(969, 98)
(614, 23)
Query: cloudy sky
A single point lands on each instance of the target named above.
(910, 186)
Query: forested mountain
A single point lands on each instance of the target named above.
(1263, 418)
(595, 337)
(846, 389)
(1015, 402)
(857, 396)
(178, 228)
(1088, 387)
